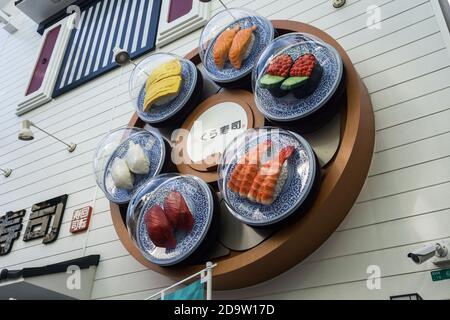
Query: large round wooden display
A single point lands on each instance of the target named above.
(343, 179)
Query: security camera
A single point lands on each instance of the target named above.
(121, 56)
(427, 252)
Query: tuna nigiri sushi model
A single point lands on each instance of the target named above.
(177, 212)
(161, 222)
(258, 183)
(159, 228)
(301, 77)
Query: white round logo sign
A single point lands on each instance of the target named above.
(215, 129)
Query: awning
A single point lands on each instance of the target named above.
(72, 279)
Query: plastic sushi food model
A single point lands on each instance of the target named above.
(301, 77)
(134, 162)
(163, 85)
(233, 45)
(162, 222)
(255, 181)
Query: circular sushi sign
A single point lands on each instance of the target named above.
(214, 129)
(342, 178)
(210, 128)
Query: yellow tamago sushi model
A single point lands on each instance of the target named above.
(164, 84)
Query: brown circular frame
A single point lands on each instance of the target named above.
(342, 181)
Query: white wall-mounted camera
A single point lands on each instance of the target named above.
(121, 56)
(439, 251)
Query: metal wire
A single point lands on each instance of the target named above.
(31, 123)
(228, 10)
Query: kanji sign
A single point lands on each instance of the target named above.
(10, 226)
(215, 128)
(45, 220)
(80, 219)
(213, 133)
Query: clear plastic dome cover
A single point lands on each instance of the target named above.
(247, 36)
(122, 153)
(295, 76)
(265, 175)
(198, 198)
(175, 73)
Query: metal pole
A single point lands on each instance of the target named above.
(228, 10)
(208, 269)
(70, 146)
(134, 64)
(209, 266)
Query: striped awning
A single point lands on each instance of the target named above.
(129, 24)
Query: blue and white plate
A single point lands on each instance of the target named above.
(153, 146)
(289, 108)
(263, 35)
(298, 176)
(199, 199)
(163, 112)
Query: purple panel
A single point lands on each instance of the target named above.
(179, 8)
(43, 60)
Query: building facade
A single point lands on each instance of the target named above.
(400, 49)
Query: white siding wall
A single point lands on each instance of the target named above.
(406, 68)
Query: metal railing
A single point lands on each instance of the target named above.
(205, 276)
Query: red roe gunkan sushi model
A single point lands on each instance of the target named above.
(276, 74)
(304, 76)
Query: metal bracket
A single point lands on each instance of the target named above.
(5, 20)
(443, 251)
(338, 3)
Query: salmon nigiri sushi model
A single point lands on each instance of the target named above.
(242, 46)
(234, 45)
(230, 44)
(222, 46)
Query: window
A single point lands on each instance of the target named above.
(181, 17)
(43, 77)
